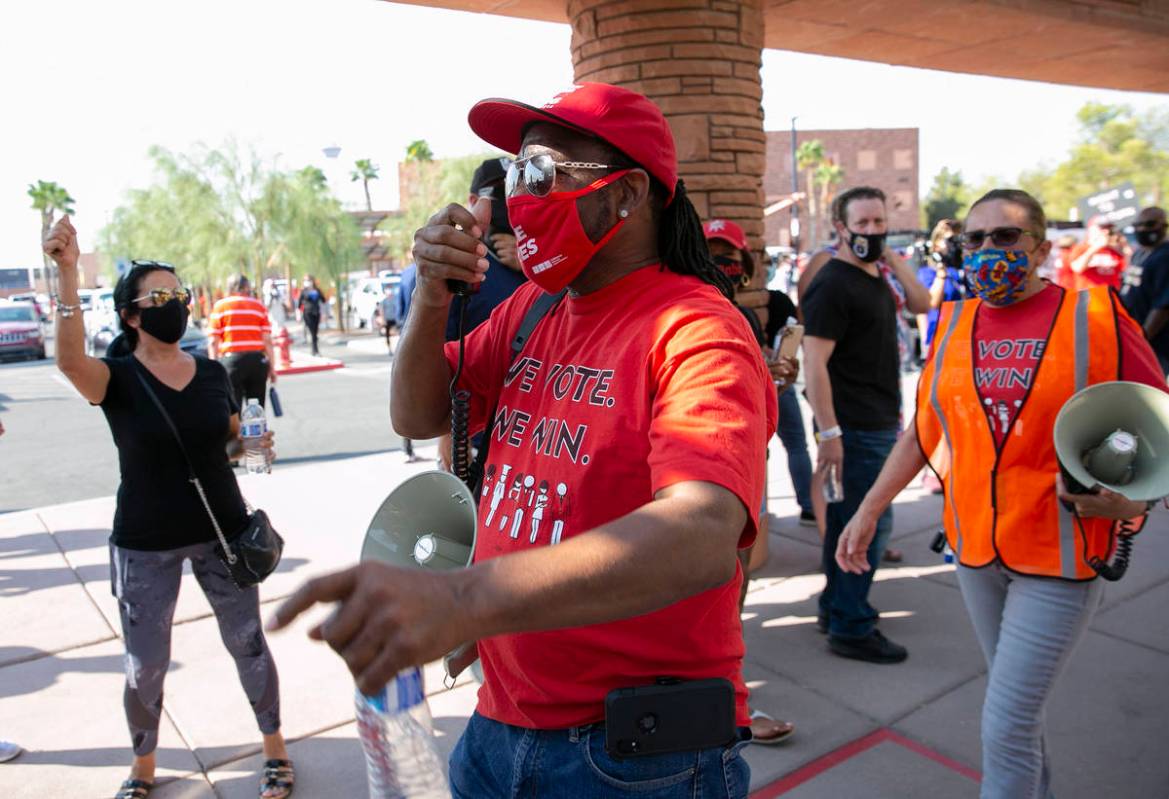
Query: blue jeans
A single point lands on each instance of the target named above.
(795, 443)
(1027, 628)
(499, 761)
(845, 600)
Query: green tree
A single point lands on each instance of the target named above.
(829, 175)
(365, 171)
(419, 150)
(1115, 144)
(809, 157)
(48, 198)
(948, 198)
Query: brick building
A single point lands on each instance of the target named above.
(883, 157)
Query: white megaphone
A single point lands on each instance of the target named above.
(1116, 436)
(427, 522)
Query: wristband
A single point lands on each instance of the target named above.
(829, 434)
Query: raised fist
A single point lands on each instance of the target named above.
(61, 244)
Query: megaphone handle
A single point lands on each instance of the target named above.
(456, 662)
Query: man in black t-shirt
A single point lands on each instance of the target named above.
(1146, 282)
(852, 369)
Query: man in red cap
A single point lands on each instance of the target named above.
(640, 409)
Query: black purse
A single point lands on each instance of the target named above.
(254, 552)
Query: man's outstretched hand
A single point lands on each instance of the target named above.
(387, 619)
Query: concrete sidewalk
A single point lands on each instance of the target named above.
(909, 730)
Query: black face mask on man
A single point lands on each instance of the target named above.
(167, 323)
(866, 246)
(1150, 238)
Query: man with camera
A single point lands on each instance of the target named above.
(642, 400)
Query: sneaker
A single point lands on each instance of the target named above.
(873, 648)
(807, 518)
(822, 623)
(8, 751)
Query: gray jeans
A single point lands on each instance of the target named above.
(1028, 628)
(146, 585)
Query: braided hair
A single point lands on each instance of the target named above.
(681, 242)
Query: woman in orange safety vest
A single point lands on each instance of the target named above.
(1001, 367)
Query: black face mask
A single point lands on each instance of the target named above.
(167, 323)
(1150, 238)
(867, 246)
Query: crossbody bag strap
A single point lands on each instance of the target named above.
(231, 558)
(540, 308)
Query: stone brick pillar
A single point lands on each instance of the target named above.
(699, 61)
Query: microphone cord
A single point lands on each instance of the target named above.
(460, 406)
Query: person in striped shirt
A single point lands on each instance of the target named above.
(241, 337)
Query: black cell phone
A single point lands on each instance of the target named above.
(669, 716)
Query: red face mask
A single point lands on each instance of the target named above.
(551, 242)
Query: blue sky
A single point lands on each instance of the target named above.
(89, 86)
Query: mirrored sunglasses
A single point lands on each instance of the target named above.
(539, 173)
(160, 297)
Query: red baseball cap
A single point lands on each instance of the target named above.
(629, 121)
(726, 230)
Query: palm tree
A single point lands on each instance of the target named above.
(419, 150)
(365, 172)
(809, 156)
(828, 174)
(48, 198)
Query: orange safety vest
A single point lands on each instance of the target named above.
(1000, 504)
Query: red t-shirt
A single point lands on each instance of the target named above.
(1009, 341)
(1104, 269)
(651, 381)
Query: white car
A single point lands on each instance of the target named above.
(366, 296)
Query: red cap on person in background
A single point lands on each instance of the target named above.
(628, 121)
(726, 230)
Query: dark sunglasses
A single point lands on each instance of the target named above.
(160, 297)
(539, 173)
(1149, 225)
(1001, 236)
(158, 264)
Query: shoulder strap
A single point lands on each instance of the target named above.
(138, 370)
(544, 303)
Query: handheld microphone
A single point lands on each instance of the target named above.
(481, 210)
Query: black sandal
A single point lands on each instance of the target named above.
(278, 775)
(134, 789)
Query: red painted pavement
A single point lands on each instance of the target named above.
(321, 365)
(851, 750)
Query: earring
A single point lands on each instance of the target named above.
(744, 281)
(623, 214)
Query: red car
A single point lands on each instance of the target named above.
(21, 335)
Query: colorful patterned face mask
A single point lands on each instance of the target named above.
(997, 276)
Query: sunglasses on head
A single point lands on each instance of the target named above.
(1000, 236)
(539, 173)
(160, 297)
(158, 264)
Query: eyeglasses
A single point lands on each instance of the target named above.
(539, 173)
(1001, 236)
(158, 264)
(160, 297)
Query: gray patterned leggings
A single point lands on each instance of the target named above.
(146, 585)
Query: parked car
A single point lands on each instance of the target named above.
(194, 340)
(21, 332)
(42, 308)
(101, 321)
(366, 297)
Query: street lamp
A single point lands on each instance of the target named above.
(332, 151)
(795, 221)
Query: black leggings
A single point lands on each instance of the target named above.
(313, 322)
(248, 372)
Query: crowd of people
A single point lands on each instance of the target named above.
(605, 354)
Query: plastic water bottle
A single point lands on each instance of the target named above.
(833, 490)
(397, 734)
(253, 426)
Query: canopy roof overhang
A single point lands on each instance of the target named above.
(1112, 44)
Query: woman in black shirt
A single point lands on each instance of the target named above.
(160, 521)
